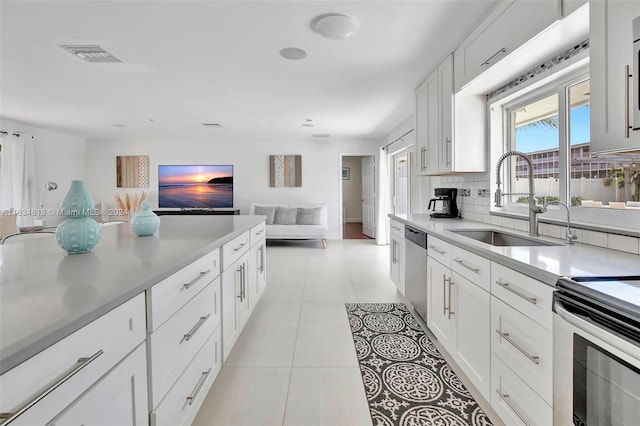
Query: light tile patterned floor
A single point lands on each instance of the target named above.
(295, 362)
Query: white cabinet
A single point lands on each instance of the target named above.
(450, 129)
(611, 51)
(235, 302)
(441, 306)
(71, 373)
(258, 265)
(508, 26)
(397, 255)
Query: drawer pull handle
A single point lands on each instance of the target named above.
(488, 61)
(533, 358)
(240, 246)
(6, 418)
(196, 391)
(260, 232)
(510, 288)
(200, 276)
(195, 328)
(505, 398)
(436, 249)
(261, 250)
(462, 263)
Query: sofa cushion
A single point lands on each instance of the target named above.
(285, 216)
(268, 211)
(309, 216)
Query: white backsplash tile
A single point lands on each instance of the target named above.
(595, 238)
(622, 243)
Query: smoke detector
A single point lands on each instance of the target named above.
(92, 54)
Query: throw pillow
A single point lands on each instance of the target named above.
(269, 212)
(309, 216)
(285, 216)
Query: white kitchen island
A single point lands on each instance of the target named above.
(90, 335)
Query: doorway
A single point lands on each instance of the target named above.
(358, 197)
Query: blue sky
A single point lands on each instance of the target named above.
(535, 139)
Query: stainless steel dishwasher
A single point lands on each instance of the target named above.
(416, 269)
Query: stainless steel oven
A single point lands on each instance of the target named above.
(597, 351)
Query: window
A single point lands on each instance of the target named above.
(401, 182)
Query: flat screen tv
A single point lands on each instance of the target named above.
(193, 186)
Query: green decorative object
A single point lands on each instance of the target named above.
(79, 233)
(146, 222)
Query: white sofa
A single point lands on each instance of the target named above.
(296, 231)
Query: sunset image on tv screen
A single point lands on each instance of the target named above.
(195, 186)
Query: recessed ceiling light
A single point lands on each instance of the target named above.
(293, 53)
(218, 125)
(307, 125)
(321, 135)
(334, 26)
(119, 125)
(308, 119)
(92, 53)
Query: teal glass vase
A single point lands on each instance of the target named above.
(146, 222)
(79, 233)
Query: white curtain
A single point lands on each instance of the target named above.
(382, 228)
(18, 189)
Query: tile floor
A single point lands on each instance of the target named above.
(295, 363)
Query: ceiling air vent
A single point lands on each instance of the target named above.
(218, 125)
(93, 54)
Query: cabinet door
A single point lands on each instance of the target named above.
(441, 307)
(260, 259)
(244, 303)
(473, 334)
(445, 77)
(118, 398)
(611, 42)
(427, 126)
(393, 272)
(231, 292)
(401, 262)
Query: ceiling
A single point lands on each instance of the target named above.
(191, 62)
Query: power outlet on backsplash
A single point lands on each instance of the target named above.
(483, 193)
(465, 192)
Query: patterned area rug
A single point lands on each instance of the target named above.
(406, 380)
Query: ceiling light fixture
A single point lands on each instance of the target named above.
(218, 125)
(293, 53)
(92, 53)
(308, 125)
(334, 26)
(119, 125)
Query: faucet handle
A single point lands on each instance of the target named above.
(571, 236)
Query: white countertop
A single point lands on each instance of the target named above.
(46, 294)
(544, 263)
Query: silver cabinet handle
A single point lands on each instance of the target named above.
(533, 358)
(261, 250)
(6, 418)
(196, 391)
(444, 294)
(448, 150)
(242, 292)
(449, 307)
(260, 232)
(240, 246)
(627, 76)
(436, 249)
(244, 280)
(200, 276)
(505, 398)
(462, 263)
(423, 155)
(488, 61)
(195, 328)
(394, 260)
(510, 288)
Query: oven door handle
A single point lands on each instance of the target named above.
(594, 330)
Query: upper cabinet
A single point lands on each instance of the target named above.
(508, 26)
(611, 51)
(450, 129)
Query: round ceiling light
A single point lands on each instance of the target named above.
(293, 53)
(334, 26)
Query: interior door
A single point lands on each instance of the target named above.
(369, 196)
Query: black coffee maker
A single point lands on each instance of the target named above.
(447, 198)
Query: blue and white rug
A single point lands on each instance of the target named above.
(406, 380)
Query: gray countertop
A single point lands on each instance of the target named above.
(46, 294)
(544, 263)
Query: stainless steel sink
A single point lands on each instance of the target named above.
(499, 238)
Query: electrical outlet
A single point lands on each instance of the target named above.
(483, 193)
(465, 192)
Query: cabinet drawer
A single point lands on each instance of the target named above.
(397, 228)
(525, 346)
(439, 250)
(514, 401)
(184, 399)
(475, 268)
(257, 232)
(174, 344)
(235, 248)
(525, 294)
(125, 389)
(170, 294)
(101, 345)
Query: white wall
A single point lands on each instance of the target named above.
(321, 167)
(59, 158)
(352, 189)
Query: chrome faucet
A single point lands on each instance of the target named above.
(570, 235)
(533, 209)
